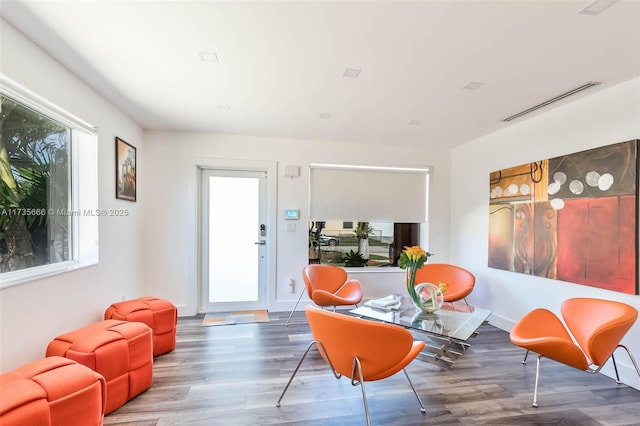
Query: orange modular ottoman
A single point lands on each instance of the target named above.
(52, 391)
(161, 315)
(121, 351)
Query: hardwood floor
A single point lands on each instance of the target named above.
(234, 374)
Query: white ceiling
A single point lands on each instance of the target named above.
(281, 64)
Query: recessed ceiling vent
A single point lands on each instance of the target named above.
(552, 100)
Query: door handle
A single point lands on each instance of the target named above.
(261, 242)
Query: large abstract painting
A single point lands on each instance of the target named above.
(572, 218)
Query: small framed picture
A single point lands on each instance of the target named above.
(125, 170)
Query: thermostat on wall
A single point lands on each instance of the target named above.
(292, 214)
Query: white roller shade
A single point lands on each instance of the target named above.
(368, 194)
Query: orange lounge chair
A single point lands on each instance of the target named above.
(328, 285)
(597, 326)
(360, 349)
(459, 281)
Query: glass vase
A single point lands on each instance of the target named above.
(427, 297)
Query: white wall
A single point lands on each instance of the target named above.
(606, 117)
(171, 202)
(32, 314)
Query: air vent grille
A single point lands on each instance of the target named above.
(552, 100)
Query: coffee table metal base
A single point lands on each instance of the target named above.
(441, 351)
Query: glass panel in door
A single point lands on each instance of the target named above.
(233, 240)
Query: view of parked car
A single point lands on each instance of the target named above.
(327, 240)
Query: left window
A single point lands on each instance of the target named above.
(48, 214)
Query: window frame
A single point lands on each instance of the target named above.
(84, 187)
(419, 229)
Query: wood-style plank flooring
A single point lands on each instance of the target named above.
(234, 374)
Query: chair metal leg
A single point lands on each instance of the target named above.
(294, 309)
(615, 365)
(322, 350)
(358, 366)
(633, 360)
(535, 388)
(414, 391)
(465, 302)
(524, 361)
(615, 368)
(295, 371)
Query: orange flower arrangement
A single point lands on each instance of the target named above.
(412, 259)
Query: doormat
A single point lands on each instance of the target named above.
(237, 317)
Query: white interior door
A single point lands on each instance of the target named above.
(234, 237)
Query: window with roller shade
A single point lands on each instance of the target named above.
(391, 201)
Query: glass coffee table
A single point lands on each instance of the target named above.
(445, 331)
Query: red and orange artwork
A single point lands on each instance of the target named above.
(572, 218)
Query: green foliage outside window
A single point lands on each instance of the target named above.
(34, 181)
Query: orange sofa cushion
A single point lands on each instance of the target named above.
(52, 391)
(159, 314)
(121, 351)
